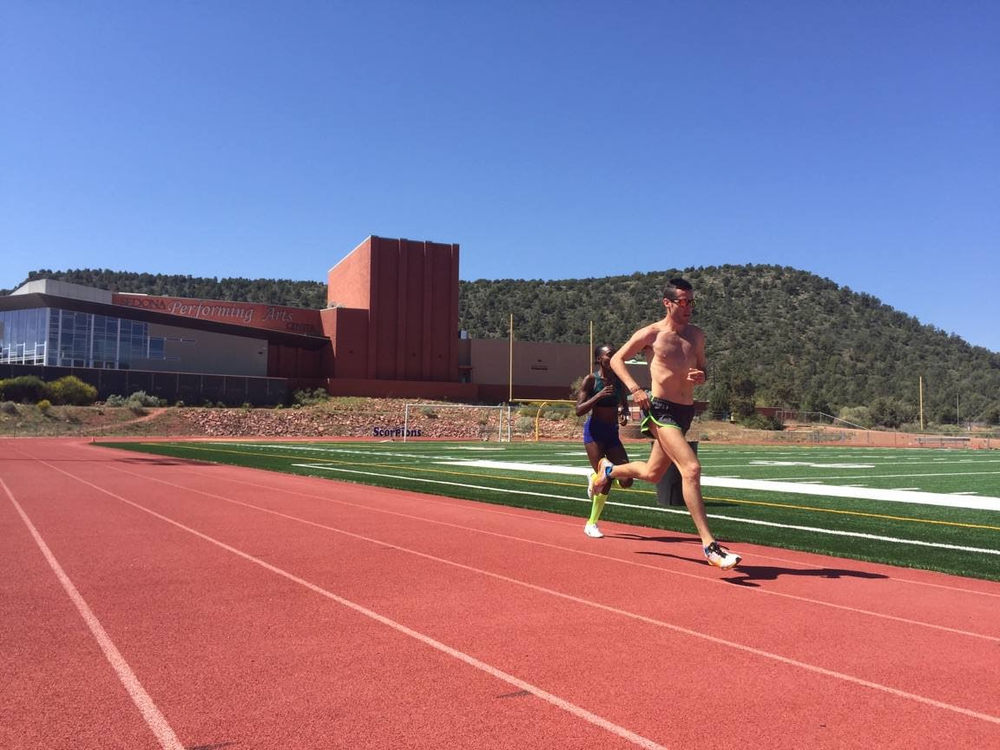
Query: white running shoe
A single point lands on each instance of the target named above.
(592, 531)
(721, 557)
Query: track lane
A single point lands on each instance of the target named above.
(239, 656)
(830, 645)
(631, 677)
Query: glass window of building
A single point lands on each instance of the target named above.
(23, 336)
(66, 338)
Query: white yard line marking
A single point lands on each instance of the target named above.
(766, 485)
(908, 475)
(762, 462)
(653, 509)
(155, 720)
(863, 493)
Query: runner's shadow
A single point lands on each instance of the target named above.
(751, 574)
(754, 573)
(641, 538)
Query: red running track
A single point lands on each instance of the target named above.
(158, 603)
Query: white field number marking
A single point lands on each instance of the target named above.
(811, 465)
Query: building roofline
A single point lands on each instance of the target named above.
(32, 300)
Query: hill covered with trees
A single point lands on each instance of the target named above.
(776, 336)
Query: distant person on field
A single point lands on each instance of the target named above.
(603, 396)
(675, 351)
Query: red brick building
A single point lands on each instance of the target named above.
(390, 328)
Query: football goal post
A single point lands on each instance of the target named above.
(454, 421)
(529, 413)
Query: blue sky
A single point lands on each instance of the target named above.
(858, 140)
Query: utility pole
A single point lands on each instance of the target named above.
(510, 363)
(589, 361)
(921, 403)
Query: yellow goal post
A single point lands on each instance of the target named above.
(541, 403)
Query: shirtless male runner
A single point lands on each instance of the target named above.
(675, 351)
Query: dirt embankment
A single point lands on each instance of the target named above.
(805, 434)
(388, 419)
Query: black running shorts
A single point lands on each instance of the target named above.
(665, 413)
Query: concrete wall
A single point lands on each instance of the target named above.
(540, 370)
(64, 289)
(206, 352)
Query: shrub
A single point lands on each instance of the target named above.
(26, 389)
(718, 401)
(306, 397)
(760, 422)
(44, 405)
(524, 425)
(890, 412)
(71, 391)
(859, 415)
(8, 407)
(141, 398)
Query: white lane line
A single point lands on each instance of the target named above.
(498, 510)
(542, 589)
(577, 551)
(499, 674)
(155, 720)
